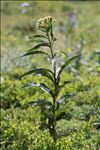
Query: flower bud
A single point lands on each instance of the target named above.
(45, 22)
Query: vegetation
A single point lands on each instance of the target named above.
(67, 115)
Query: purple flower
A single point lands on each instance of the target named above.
(25, 4)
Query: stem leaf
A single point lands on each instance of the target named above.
(33, 53)
(67, 63)
(39, 36)
(38, 46)
(64, 84)
(42, 86)
(40, 102)
(40, 71)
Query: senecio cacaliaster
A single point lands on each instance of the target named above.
(49, 108)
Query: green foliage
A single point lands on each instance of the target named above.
(78, 102)
(19, 132)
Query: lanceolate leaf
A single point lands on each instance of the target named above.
(46, 89)
(42, 72)
(66, 82)
(63, 99)
(42, 86)
(33, 53)
(39, 36)
(40, 102)
(36, 41)
(67, 63)
(62, 115)
(38, 46)
(62, 52)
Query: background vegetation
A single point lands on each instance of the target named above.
(77, 30)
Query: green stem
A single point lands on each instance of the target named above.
(50, 40)
(54, 121)
(50, 46)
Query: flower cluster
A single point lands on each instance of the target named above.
(45, 22)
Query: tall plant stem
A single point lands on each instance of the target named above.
(54, 122)
(54, 98)
(51, 49)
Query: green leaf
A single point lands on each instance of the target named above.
(64, 98)
(42, 72)
(40, 102)
(67, 63)
(46, 89)
(36, 41)
(39, 36)
(42, 86)
(62, 115)
(62, 52)
(29, 85)
(33, 53)
(64, 84)
(38, 46)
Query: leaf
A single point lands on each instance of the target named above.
(40, 102)
(41, 71)
(36, 41)
(62, 115)
(66, 82)
(33, 53)
(30, 85)
(38, 46)
(62, 52)
(67, 63)
(39, 36)
(46, 89)
(42, 86)
(64, 97)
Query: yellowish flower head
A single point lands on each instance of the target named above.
(45, 22)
